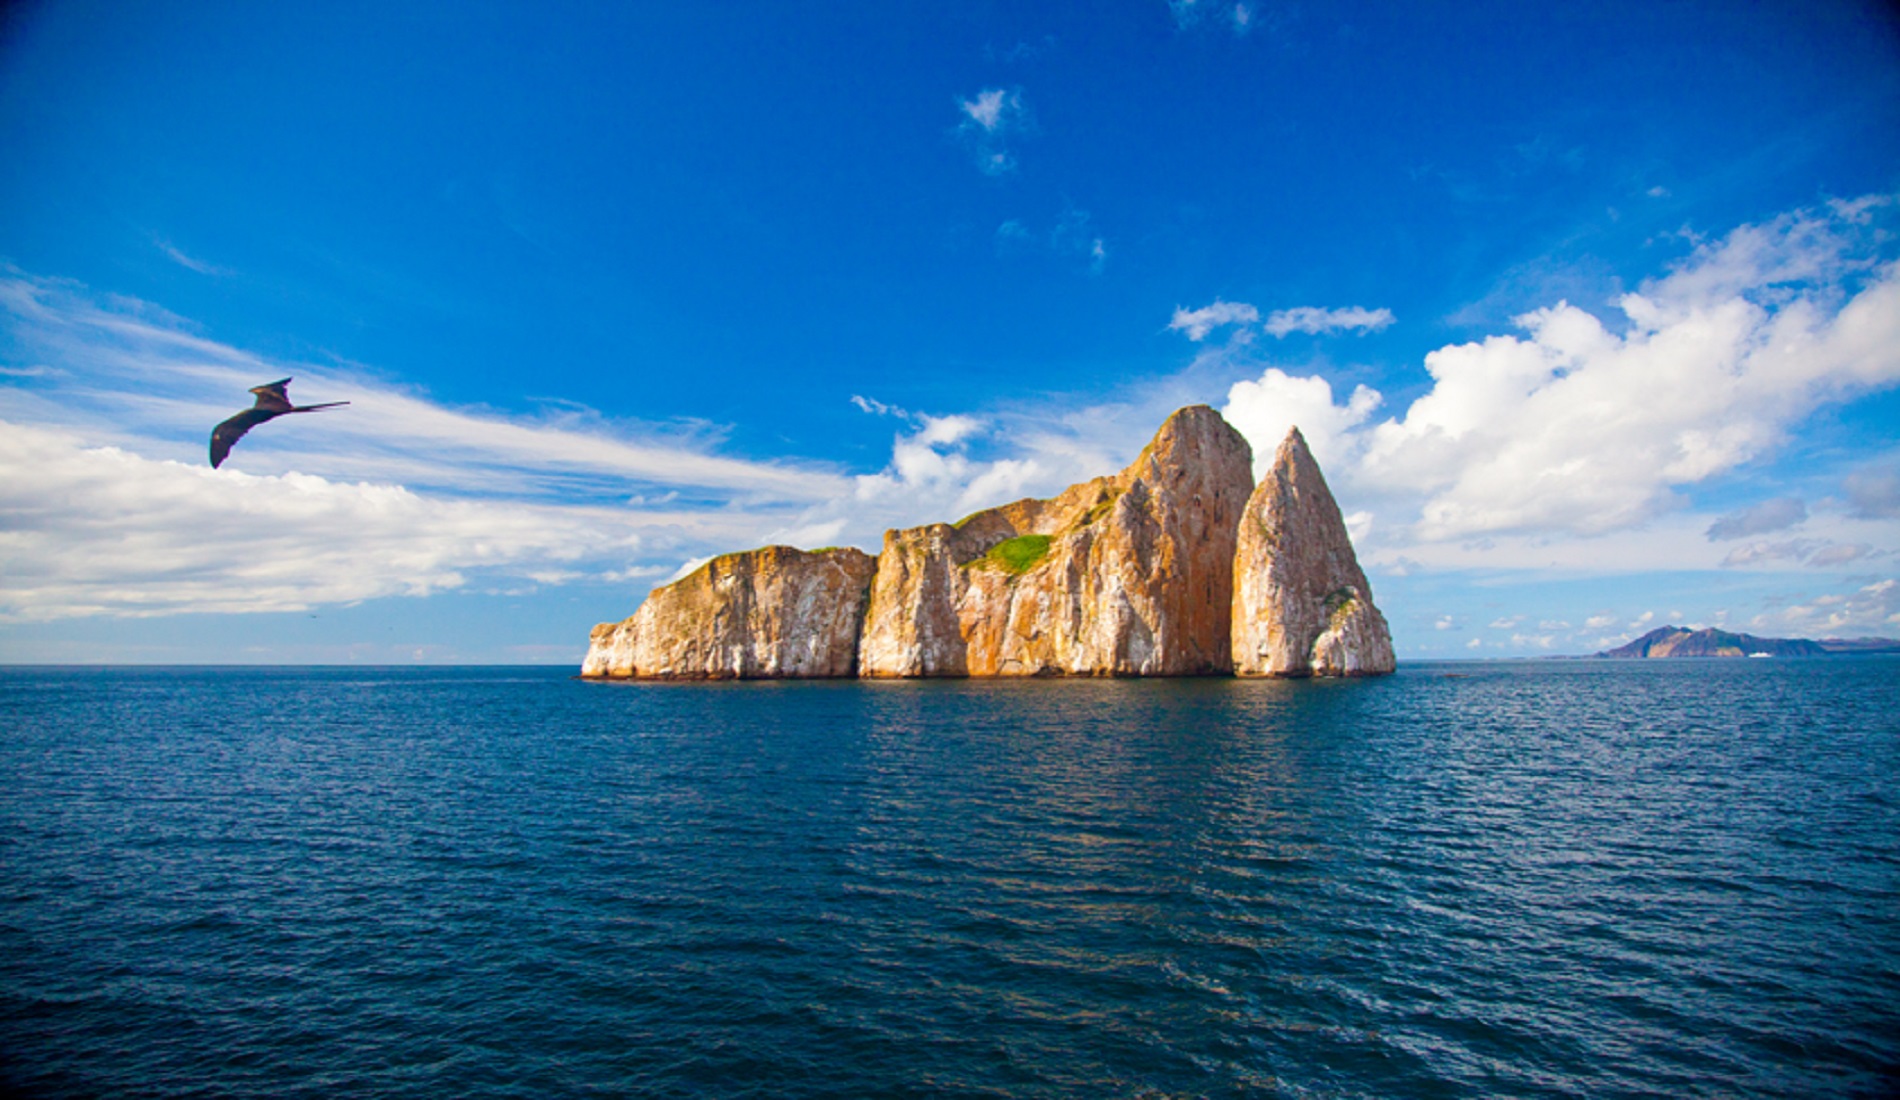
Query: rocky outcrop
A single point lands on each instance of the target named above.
(1302, 606)
(770, 613)
(1129, 575)
(1169, 568)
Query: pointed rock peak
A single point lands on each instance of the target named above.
(1294, 454)
(1195, 430)
(1301, 603)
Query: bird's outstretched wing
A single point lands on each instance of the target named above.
(273, 395)
(228, 433)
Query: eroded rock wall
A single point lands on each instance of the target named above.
(1128, 575)
(770, 613)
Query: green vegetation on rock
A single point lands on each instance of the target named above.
(1018, 555)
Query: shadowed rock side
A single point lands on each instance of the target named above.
(1302, 606)
(770, 613)
(1129, 575)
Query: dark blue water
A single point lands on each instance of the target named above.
(1532, 879)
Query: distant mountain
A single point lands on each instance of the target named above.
(1676, 641)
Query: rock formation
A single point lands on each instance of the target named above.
(1168, 568)
(1301, 605)
(771, 613)
(1123, 576)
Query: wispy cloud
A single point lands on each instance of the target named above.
(191, 263)
(989, 122)
(1311, 319)
(1874, 494)
(1074, 235)
(1769, 516)
(1869, 609)
(113, 509)
(1196, 324)
(1238, 17)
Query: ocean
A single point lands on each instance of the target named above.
(1535, 878)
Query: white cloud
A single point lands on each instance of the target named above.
(989, 121)
(1311, 319)
(1816, 553)
(1578, 428)
(1510, 623)
(1870, 609)
(989, 108)
(1264, 409)
(1769, 516)
(103, 531)
(113, 510)
(878, 408)
(1197, 323)
(1600, 622)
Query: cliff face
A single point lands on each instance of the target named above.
(1128, 576)
(776, 612)
(1168, 568)
(1302, 606)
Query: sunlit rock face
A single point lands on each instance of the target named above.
(1128, 575)
(770, 613)
(1301, 605)
(1169, 568)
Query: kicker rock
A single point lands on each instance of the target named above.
(770, 613)
(1302, 606)
(1130, 575)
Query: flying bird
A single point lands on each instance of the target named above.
(272, 402)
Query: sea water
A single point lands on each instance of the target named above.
(1555, 878)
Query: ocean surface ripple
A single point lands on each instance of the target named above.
(1496, 879)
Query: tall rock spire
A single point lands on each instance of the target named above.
(1302, 606)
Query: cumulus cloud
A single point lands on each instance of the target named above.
(1311, 319)
(1264, 409)
(1580, 427)
(1769, 516)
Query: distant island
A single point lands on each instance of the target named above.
(1678, 641)
(1177, 566)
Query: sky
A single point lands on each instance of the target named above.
(1590, 313)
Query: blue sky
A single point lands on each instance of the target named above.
(1591, 312)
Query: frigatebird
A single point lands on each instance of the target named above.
(272, 402)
